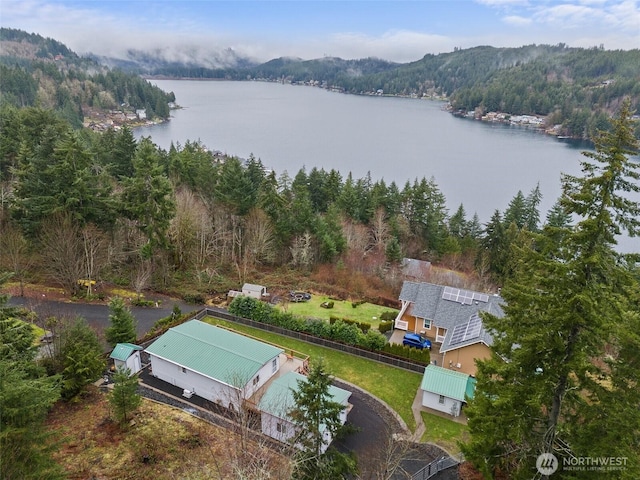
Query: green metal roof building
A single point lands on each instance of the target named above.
(446, 390)
(212, 362)
(127, 355)
(278, 400)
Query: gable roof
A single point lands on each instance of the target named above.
(122, 351)
(428, 301)
(214, 352)
(252, 287)
(449, 383)
(278, 399)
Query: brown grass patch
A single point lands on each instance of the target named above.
(160, 443)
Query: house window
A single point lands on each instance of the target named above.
(256, 380)
(441, 399)
(281, 427)
(427, 324)
(274, 365)
(184, 370)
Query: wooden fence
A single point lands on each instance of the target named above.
(381, 357)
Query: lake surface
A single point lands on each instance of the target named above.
(481, 165)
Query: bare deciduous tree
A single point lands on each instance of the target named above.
(14, 254)
(379, 230)
(302, 250)
(259, 242)
(96, 253)
(62, 251)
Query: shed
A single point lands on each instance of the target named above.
(255, 291)
(213, 363)
(446, 390)
(278, 400)
(127, 355)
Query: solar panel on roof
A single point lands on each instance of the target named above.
(465, 297)
(467, 331)
(450, 293)
(481, 297)
(458, 334)
(473, 327)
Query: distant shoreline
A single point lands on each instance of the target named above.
(536, 122)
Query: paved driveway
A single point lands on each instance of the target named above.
(98, 315)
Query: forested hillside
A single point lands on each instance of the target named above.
(187, 217)
(575, 88)
(43, 72)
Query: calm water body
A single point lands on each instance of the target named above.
(288, 127)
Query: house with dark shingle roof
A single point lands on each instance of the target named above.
(450, 318)
(213, 363)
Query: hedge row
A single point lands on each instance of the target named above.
(364, 327)
(338, 331)
(403, 351)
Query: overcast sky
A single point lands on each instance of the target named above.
(399, 30)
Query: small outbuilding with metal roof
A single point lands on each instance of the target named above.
(213, 363)
(127, 355)
(446, 390)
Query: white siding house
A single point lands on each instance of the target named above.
(278, 401)
(213, 363)
(446, 390)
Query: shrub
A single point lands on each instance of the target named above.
(422, 356)
(386, 326)
(388, 316)
(364, 327)
(344, 332)
(373, 340)
(194, 298)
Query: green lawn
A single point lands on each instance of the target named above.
(444, 432)
(394, 386)
(366, 313)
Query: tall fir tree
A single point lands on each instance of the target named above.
(123, 323)
(26, 395)
(563, 378)
(148, 197)
(124, 398)
(315, 414)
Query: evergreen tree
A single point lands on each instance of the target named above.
(458, 223)
(123, 153)
(234, 188)
(531, 212)
(393, 251)
(516, 211)
(124, 398)
(314, 415)
(495, 246)
(123, 323)
(147, 196)
(81, 358)
(26, 395)
(330, 235)
(557, 216)
(564, 376)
